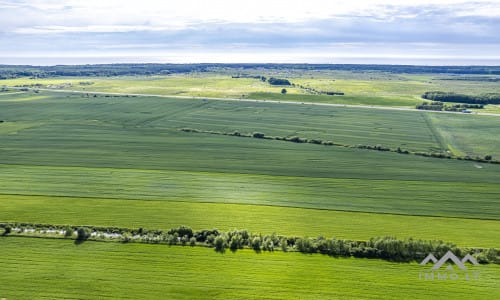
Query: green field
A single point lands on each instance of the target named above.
(58, 150)
(50, 269)
(121, 161)
(375, 88)
(290, 221)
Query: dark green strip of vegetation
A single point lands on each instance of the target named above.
(387, 248)
(301, 140)
(489, 98)
(440, 106)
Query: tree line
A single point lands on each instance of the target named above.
(14, 71)
(488, 98)
(440, 106)
(387, 248)
(301, 140)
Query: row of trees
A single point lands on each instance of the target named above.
(440, 106)
(489, 98)
(301, 140)
(278, 81)
(388, 248)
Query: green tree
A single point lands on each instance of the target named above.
(7, 230)
(220, 243)
(68, 231)
(82, 233)
(256, 243)
(283, 91)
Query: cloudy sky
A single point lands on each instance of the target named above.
(313, 31)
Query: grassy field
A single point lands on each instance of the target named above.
(369, 88)
(288, 221)
(461, 134)
(369, 194)
(131, 148)
(107, 155)
(123, 161)
(39, 269)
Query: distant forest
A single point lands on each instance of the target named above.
(14, 71)
(489, 98)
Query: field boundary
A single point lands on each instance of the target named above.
(386, 248)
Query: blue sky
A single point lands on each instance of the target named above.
(377, 31)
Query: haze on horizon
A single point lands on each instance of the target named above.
(439, 32)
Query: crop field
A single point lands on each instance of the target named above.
(39, 269)
(290, 221)
(132, 148)
(125, 161)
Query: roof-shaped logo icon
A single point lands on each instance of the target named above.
(449, 257)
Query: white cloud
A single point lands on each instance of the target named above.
(152, 14)
(114, 27)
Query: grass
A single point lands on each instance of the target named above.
(287, 221)
(40, 268)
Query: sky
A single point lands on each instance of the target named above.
(437, 32)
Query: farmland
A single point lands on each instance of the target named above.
(125, 161)
(39, 268)
(370, 88)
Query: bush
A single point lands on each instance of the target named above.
(284, 244)
(192, 242)
(68, 231)
(258, 135)
(82, 233)
(7, 230)
(256, 243)
(126, 238)
(220, 244)
(182, 231)
(268, 244)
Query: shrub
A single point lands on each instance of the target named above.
(284, 244)
(68, 231)
(256, 243)
(258, 135)
(82, 233)
(7, 230)
(126, 238)
(268, 244)
(220, 244)
(192, 242)
(182, 231)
